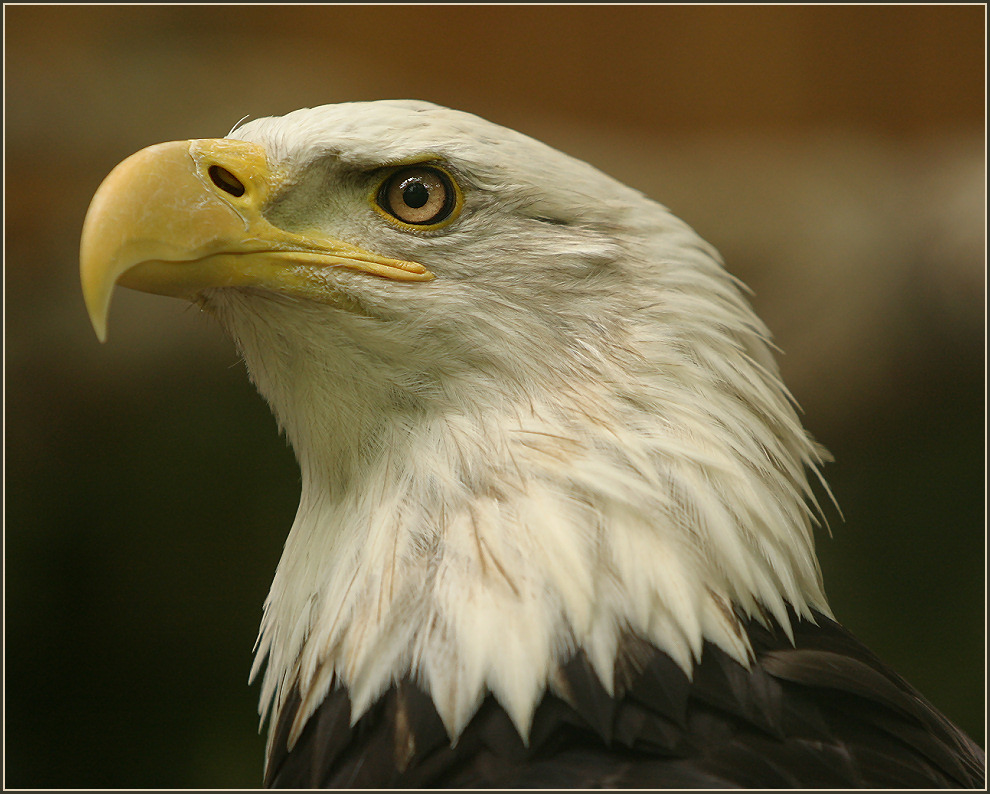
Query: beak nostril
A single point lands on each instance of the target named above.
(226, 181)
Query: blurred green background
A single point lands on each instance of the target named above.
(835, 155)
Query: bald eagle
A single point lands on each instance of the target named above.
(556, 520)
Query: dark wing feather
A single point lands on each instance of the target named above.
(824, 713)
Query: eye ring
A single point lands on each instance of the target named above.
(419, 197)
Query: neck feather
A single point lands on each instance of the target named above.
(475, 543)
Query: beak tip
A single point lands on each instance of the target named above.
(97, 318)
(100, 328)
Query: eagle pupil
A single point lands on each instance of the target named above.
(415, 195)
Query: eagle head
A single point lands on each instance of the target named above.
(534, 415)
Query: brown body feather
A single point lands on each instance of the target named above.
(824, 713)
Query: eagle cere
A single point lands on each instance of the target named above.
(556, 524)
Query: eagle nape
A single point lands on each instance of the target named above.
(556, 526)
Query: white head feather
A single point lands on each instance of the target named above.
(575, 431)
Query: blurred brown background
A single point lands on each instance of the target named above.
(834, 154)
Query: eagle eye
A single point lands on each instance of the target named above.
(226, 181)
(418, 196)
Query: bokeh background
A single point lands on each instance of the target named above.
(835, 155)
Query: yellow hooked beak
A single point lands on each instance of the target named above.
(184, 216)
